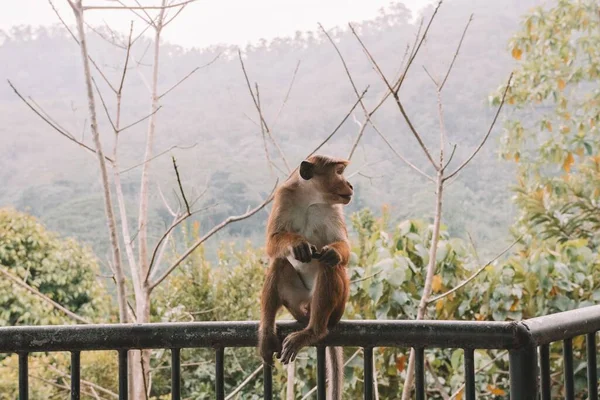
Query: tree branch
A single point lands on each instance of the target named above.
(210, 233)
(56, 128)
(287, 95)
(456, 53)
(140, 120)
(262, 119)
(469, 279)
(487, 134)
(188, 75)
(396, 97)
(183, 3)
(31, 289)
(158, 155)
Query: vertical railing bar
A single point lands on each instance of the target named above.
(123, 386)
(420, 373)
(23, 376)
(546, 383)
(568, 369)
(267, 381)
(592, 372)
(175, 374)
(75, 375)
(321, 375)
(219, 374)
(469, 374)
(368, 372)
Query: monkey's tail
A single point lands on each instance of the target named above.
(335, 372)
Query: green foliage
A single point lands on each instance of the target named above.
(64, 271)
(59, 268)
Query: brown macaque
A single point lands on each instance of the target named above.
(307, 243)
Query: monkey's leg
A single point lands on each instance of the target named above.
(329, 299)
(282, 286)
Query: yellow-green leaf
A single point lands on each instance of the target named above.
(569, 160)
(561, 84)
(436, 284)
(516, 53)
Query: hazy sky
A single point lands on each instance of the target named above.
(214, 21)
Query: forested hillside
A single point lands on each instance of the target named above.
(46, 175)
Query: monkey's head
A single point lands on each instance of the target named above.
(326, 175)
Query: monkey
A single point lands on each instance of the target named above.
(308, 247)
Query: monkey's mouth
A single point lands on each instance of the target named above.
(347, 197)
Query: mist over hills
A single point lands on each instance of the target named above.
(54, 179)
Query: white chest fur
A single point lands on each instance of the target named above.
(319, 224)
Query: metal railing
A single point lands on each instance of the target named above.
(521, 339)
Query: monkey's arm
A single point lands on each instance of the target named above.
(281, 244)
(336, 253)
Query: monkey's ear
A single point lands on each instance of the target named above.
(307, 170)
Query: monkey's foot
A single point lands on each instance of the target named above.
(268, 344)
(293, 344)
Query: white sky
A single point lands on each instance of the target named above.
(209, 22)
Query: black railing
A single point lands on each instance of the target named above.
(521, 339)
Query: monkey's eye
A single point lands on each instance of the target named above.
(340, 171)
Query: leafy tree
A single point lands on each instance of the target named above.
(58, 268)
(553, 137)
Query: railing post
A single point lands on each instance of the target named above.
(523, 373)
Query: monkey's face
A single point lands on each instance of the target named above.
(328, 181)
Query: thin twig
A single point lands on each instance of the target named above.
(244, 383)
(262, 119)
(188, 75)
(31, 289)
(104, 105)
(462, 387)
(341, 123)
(140, 120)
(450, 158)
(79, 44)
(416, 50)
(287, 95)
(64, 133)
(456, 53)
(263, 133)
(396, 97)
(185, 201)
(487, 134)
(85, 8)
(158, 155)
(469, 279)
(215, 229)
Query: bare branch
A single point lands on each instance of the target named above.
(487, 134)
(367, 114)
(462, 387)
(79, 44)
(287, 95)
(187, 205)
(140, 120)
(175, 16)
(431, 77)
(149, 21)
(360, 97)
(263, 133)
(59, 130)
(190, 74)
(450, 158)
(31, 289)
(127, 53)
(158, 155)
(87, 383)
(396, 97)
(104, 105)
(85, 8)
(262, 119)
(456, 53)
(416, 50)
(469, 279)
(244, 383)
(209, 234)
(111, 41)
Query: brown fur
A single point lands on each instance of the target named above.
(307, 217)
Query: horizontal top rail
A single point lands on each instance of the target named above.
(359, 333)
(244, 334)
(563, 325)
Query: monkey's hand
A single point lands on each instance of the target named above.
(303, 251)
(268, 344)
(330, 256)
